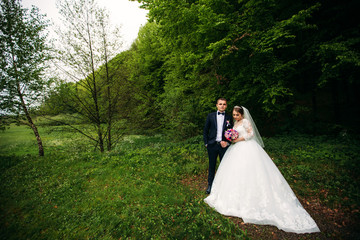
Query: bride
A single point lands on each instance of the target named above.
(250, 186)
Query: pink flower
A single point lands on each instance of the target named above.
(231, 134)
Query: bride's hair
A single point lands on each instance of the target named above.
(239, 110)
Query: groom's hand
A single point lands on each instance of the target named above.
(223, 144)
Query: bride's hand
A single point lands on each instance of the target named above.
(238, 140)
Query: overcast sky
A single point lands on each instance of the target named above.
(122, 12)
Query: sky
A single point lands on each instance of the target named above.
(122, 12)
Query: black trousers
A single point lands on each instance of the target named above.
(214, 150)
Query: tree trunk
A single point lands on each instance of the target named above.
(109, 121)
(335, 100)
(101, 141)
(314, 105)
(97, 114)
(37, 135)
(30, 121)
(109, 109)
(95, 92)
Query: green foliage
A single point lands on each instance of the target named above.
(58, 120)
(289, 62)
(146, 78)
(280, 58)
(237, 47)
(23, 53)
(57, 100)
(339, 58)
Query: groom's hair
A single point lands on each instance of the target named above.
(221, 99)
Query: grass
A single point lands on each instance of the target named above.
(17, 140)
(320, 166)
(131, 192)
(136, 190)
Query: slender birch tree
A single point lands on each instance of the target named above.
(23, 51)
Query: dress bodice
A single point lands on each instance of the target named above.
(244, 129)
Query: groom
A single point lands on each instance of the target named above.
(215, 142)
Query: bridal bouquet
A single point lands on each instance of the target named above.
(231, 134)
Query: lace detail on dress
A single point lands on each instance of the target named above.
(245, 129)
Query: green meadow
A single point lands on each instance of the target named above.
(148, 186)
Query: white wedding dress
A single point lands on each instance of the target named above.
(248, 185)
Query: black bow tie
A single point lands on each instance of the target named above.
(221, 113)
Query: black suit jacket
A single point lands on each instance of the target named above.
(210, 129)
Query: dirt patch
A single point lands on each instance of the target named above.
(333, 223)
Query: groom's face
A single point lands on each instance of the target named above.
(221, 105)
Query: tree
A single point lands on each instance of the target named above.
(23, 53)
(108, 50)
(279, 57)
(224, 48)
(147, 77)
(86, 47)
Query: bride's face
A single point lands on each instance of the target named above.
(237, 116)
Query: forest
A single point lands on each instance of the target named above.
(293, 64)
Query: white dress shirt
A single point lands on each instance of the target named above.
(220, 122)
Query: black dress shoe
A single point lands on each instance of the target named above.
(208, 190)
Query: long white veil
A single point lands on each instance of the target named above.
(256, 136)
